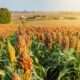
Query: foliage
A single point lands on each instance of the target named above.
(5, 15)
(55, 63)
(8, 65)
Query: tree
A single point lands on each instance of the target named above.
(5, 15)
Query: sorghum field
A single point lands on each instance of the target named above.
(40, 50)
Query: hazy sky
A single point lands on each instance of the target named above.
(41, 5)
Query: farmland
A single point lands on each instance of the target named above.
(44, 48)
(69, 24)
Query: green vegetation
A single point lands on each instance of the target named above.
(5, 16)
(48, 63)
(54, 63)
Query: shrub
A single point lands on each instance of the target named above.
(5, 15)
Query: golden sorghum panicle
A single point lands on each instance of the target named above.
(60, 38)
(11, 52)
(42, 37)
(28, 40)
(66, 42)
(27, 75)
(25, 62)
(24, 59)
(73, 42)
(15, 76)
(47, 39)
(78, 46)
(22, 45)
(54, 36)
(50, 40)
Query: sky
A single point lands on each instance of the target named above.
(41, 5)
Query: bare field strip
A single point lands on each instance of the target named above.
(53, 23)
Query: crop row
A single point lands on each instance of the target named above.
(67, 37)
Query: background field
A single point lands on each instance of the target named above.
(42, 46)
(41, 19)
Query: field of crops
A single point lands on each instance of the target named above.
(40, 50)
